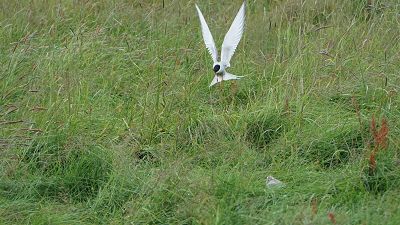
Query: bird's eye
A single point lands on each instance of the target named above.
(216, 68)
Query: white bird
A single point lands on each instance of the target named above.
(273, 182)
(231, 41)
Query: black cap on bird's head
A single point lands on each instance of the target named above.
(216, 68)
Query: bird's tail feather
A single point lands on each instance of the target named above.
(215, 80)
(227, 76)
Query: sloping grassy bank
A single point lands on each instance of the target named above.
(106, 115)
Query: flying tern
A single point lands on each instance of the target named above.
(231, 41)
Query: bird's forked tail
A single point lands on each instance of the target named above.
(226, 76)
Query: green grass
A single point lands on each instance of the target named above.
(106, 116)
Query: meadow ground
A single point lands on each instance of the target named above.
(106, 116)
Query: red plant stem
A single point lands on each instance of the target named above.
(331, 217)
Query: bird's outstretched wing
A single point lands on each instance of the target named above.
(232, 38)
(208, 39)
